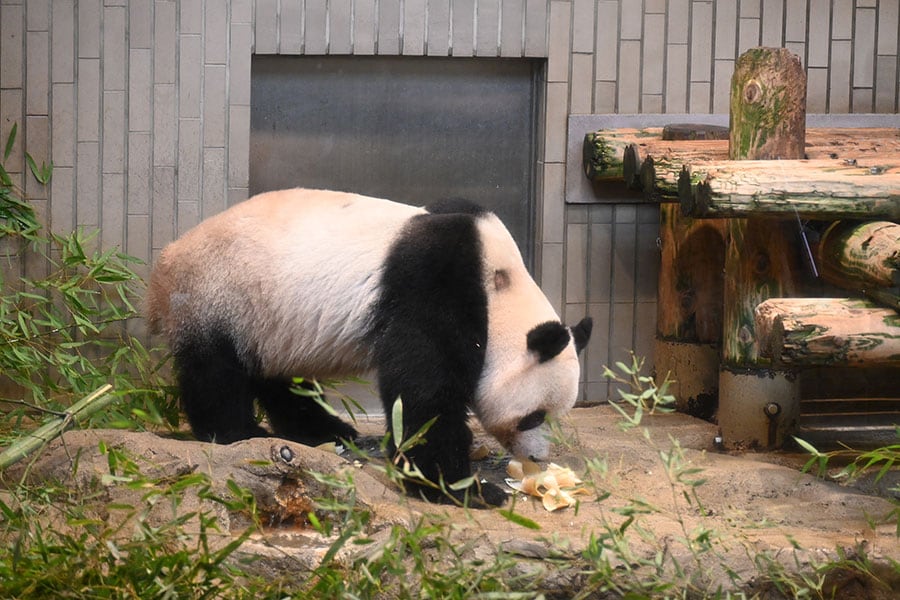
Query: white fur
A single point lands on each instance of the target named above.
(341, 243)
(514, 383)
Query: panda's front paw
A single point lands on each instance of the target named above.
(343, 431)
(481, 495)
(492, 495)
(478, 495)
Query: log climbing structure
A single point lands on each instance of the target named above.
(780, 254)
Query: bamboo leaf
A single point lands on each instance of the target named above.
(10, 141)
(6, 181)
(518, 519)
(397, 421)
(462, 483)
(42, 173)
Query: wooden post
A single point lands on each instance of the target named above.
(759, 407)
(689, 304)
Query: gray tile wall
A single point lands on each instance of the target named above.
(144, 106)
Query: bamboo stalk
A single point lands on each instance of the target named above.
(29, 442)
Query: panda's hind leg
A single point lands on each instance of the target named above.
(299, 418)
(216, 391)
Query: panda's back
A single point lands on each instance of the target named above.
(250, 269)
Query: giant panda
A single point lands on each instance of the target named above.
(322, 284)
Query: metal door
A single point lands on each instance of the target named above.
(412, 129)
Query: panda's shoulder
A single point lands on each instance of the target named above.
(462, 206)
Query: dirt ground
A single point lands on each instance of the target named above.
(746, 507)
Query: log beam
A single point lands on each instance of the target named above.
(822, 189)
(810, 332)
(860, 256)
(603, 151)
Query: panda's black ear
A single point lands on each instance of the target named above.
(582, 333)
(548, 339)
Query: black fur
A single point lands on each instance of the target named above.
(532, 420)
(297, 418)
(547, 340)
(430, 334)
(218, 388)
(216, 391)
(581, 333)
(455, 206)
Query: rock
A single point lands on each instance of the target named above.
(277, 473)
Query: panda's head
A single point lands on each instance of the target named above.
(531, 368)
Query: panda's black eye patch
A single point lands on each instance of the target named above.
(547, 340)
(532, 420)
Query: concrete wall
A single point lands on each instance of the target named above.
(144, 106)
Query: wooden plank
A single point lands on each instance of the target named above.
(803, 332)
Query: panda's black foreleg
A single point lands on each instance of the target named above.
(216, 392)
(299, 418)
(443, 455)
(444, 459)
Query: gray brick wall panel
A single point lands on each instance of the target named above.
(340, 27)
(414, 27)
(512, 23)
(487, 35)
(115, 48)
(37, 65)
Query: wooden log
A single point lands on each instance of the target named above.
(818, 189)
(767, 111)
(603, 152)
(665, 180)
(692, 256)
(768, 121)
(689, 303)
(689, 309)
(600, 159)
(888, 297)
(805, 332)
(860, 256)
(760, 262)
